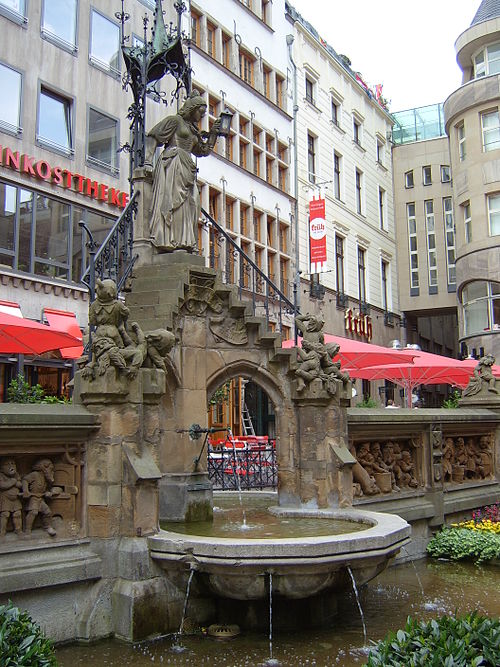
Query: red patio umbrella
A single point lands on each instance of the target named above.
(22, 336)
(425, 368)
(355, 354)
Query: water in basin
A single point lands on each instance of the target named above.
(260, 523)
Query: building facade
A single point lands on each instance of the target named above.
(473, 126)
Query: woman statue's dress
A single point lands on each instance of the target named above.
(175, 203)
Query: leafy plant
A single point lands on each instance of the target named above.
(467, 641)
(221, 395)
(22, 642)
(452, 401)
(367, 402)
(465, 543)
(19, 391)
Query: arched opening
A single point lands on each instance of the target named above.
(242, 446)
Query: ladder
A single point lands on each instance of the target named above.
(246, 421)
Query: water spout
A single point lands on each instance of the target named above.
(416, 573)
(355, 589)
(237, 477)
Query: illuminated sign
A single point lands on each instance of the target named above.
(317, 236)
(43, 171)
(358, 324)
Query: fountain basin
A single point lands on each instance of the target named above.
(301, 567)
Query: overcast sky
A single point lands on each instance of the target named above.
(406, 46)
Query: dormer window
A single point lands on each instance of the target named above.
(487, 61)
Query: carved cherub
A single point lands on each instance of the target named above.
(482, 377)
(109, 315)
(10, 502)
(308, 365)
(407, 471)
(159, 343)
(38, 486)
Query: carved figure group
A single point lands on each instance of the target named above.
(34, 488)
(382, 468)
(113, 345)
(315, 357)
(482, 378)
(175, 206)
(467, 459)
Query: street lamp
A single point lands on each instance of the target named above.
(225, 118)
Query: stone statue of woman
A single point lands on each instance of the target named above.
(175, 202)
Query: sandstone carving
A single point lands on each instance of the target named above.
(37, 489)
(384, 467)
(467, 459)
(10, 501)
(114, 346)
(482, 380)
(175, 206)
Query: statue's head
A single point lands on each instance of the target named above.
(8, 467)
(46, 467)
(194, 102)
(106, 290)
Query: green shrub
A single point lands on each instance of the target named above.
(367, 402)
(464, 543)
(452, 401)
(19, 391)
(468, 641)
(22, 642)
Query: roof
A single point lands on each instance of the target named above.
(488, 9)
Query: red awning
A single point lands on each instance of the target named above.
(11, 308)
(64, 320)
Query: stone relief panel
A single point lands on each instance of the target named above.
(467, 459)
(41, 494)
(385, 466)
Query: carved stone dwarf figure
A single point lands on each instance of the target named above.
(10, 501)
(37, 487)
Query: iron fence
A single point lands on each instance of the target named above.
(249, 468)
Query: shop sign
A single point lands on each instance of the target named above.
(317, 236)
(360, 325)
(43, 171)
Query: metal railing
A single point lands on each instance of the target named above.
(248, 468)
(114, 258)
(237, 268)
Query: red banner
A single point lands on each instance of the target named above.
(317, 236)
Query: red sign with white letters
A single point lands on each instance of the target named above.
(317, 236)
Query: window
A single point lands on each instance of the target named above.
(380, 152)
(427, 175)
(461, 142)
(280, 87)
(359, 193)
(337, 166)
(494, 214)
(246, 67)
(14, 9)
(487, 61)
(490, 124)
(59, 21)
(243, 154)
(195, 29)
(309, 90)
(467, 222)
(229, 213)
(54, 121)
(283, 238)
(49, 242)
(409, 182)
(356, 131)
(445, 173)
(282, 178)
(449, 238)
(10, 105)
(311, 157)
(361, 275)
(211, 31)
(430, 228)
(267, 82)
(339, 263)
(481, 305)
(335, 112)
(243, 220)
(384, 274)
(412, 242)
(381, 207)
(104, 48)
(102, 141)
(226, 51)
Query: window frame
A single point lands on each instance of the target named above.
(115, 72)
(361, 275)
(479, 72)
(69, 114)
(445, 171)
(384, 278)
(485, 131)
(490, 197)
(56, 39)
(309, 88)
(311, 157)
(409, 176)
(95, 163)
(449, 235)
(488, 300)
(461, 141)
(358, 184)
(20, 18)
(337, 176)
(467, 217)
(382, 208)
(430, 233)
(6, 126)
(427, 175)
(413, 251)
(339, 264)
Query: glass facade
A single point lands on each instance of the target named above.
(41, 235)
(418, 124)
